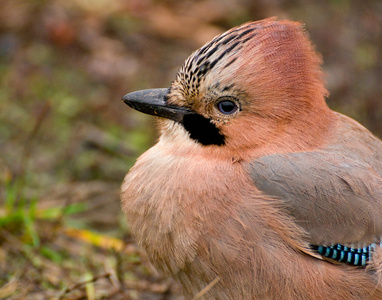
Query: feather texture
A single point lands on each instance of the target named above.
(257, 190)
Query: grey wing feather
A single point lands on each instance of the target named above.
(336, 200)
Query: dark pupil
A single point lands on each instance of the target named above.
(227, 107)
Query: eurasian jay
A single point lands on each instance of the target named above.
(256, 189)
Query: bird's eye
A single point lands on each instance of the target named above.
(227, 107)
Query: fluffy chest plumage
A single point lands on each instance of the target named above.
(167, 199)
(189, 214)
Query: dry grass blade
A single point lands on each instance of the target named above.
(207, 288)
(9, 289)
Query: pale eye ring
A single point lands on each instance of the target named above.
(227, 107)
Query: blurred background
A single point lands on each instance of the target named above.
(67, 140)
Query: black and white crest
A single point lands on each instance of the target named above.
(221, 50)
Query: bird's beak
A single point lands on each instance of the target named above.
(153, 102)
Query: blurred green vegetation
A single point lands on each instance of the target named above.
(67, 140)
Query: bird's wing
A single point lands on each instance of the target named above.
(336, 200)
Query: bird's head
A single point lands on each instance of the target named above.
(254, 85)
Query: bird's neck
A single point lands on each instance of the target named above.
(308, 130)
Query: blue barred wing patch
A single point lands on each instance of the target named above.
(352, 256)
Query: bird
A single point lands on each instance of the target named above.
(256, 189)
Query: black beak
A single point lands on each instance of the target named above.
(153, 102)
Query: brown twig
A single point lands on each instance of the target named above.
(76, 286)
(27, 150)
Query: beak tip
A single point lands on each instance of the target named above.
(125, 98)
